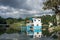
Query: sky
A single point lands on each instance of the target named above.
(22, 8)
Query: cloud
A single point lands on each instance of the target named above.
(23, 4)
(21, 8)
(6, 11)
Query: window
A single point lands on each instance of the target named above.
(39, 35)
(37, 32)
(31, 30)
(37, 25)
(38, 20)
(32, 25)
(34, 20)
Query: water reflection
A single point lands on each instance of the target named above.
(17, 36)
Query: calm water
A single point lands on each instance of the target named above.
(16, 36)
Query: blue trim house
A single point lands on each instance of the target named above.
(34, 27)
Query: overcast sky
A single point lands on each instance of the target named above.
(21, 8)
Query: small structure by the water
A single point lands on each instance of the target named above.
(50, 24)
(34, 27)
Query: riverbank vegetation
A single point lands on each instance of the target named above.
(15, 24)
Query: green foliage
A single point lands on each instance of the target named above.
(20, 19)
(46, 32)
(9, 21)
(54, 5)
(11, 30)
(57, 29)
(27, 18)
(46, 19)
(2, 20)
(13, 20)
(2, 31)
(51, 4)
(16, 26)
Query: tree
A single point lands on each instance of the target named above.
(55, 6)
(9, 20)
(20, 19)
(2, 20)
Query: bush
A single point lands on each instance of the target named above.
(46, 32)
(11, 30)
(2, 31)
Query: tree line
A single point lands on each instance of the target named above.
(14, 24)
(45, 19)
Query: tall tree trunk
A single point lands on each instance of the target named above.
(58, 18)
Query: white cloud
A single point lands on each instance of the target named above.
(34, 5)
(6, 11)
(2, 7)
